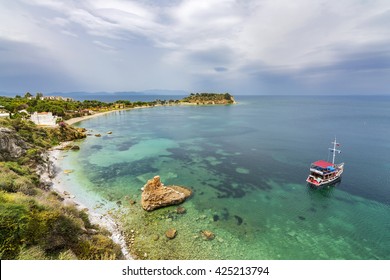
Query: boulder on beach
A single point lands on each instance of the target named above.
(155, 195)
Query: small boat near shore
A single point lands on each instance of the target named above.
(324, 173)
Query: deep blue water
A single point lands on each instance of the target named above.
(299, 130)
(247, 164)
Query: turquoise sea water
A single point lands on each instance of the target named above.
(247, 164)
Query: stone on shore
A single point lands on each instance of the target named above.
(155, 195)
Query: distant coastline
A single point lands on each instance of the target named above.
(193, 100)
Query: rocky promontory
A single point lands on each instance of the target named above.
(155, 195)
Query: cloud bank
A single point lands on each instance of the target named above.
(245, 47)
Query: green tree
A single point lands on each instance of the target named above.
(57, 110)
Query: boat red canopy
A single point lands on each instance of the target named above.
(322, 163)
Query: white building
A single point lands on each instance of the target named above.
(3, 112)
(56, 98)
(45, 118)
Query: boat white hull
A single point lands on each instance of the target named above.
(320, 182)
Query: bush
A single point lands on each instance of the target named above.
(42, 228)
(19, 181)
(67, 255)
(32, 253)
(14, 218)
(99, 247)
(17, 168)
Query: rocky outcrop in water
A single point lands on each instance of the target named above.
(207, 235)
(171, 233)
(155, 195)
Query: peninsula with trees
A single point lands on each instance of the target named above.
(66, 108)
(209, 98)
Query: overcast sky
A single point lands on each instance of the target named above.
(242, 47)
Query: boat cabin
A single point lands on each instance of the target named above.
(323, 166)
(321, 171)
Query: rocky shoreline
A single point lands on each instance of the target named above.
(49, 178)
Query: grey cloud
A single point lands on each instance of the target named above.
(257, 46)
(368, 58)
(220, 69)
(213, 56)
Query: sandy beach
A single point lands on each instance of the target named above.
(79, 119)
(83, 118)
(104, 220)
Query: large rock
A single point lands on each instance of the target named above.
(156, 195)
(11, 145)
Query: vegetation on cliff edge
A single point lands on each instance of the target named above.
(34, 223)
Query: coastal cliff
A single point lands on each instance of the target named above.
(34, 223)
(12, 146)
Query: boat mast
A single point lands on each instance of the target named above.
(334, 150)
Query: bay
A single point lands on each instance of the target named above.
(247, 164)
